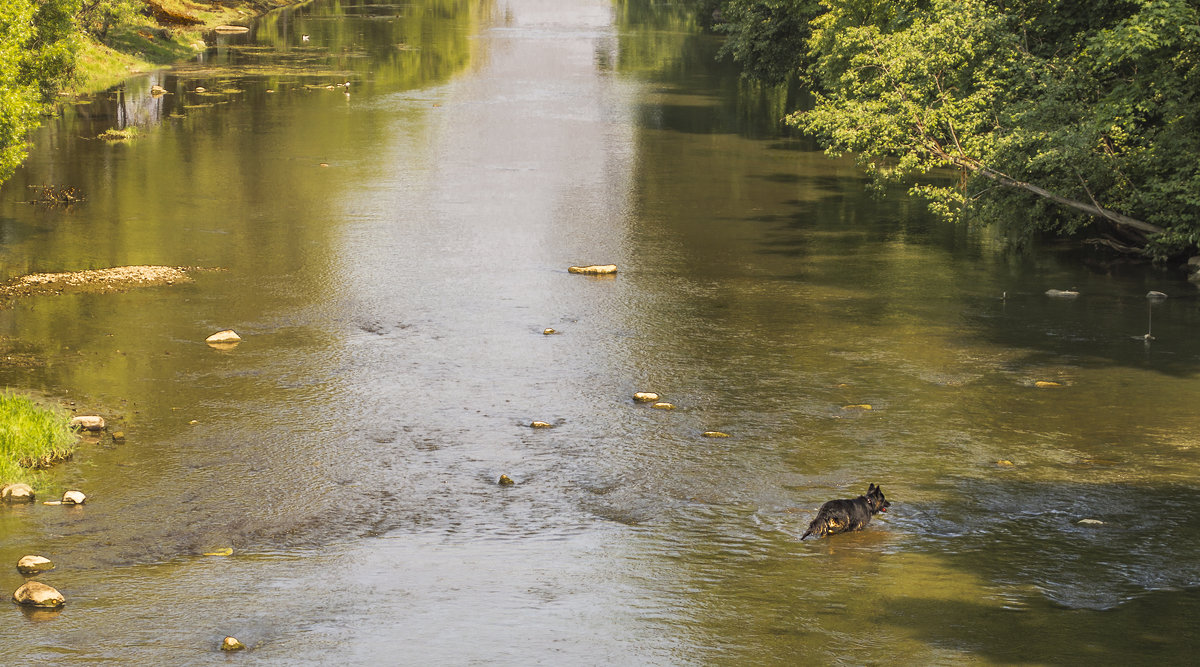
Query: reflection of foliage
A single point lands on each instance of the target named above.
(429, 42)
(55, 195)
(37, 54)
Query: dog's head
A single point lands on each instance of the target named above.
(876, 500)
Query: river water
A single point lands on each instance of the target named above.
(392, 251)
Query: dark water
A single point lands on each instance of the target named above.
(392, 251)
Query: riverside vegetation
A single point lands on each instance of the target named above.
(31, 436)
(1038, 117)
(53, 47)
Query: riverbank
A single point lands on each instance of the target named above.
(164, 32)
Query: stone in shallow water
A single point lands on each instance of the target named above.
(17, 493)
(223, 338)
(73, 498)
(88, 422)
(34, 565)
(646, 396)
(231, 644)
(37, 594)
(594, 269)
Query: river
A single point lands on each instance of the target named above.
(392, 252)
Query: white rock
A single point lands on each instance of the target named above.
(34, 564)
(73, 498)
(16, 493)
(88, 422)
(594, 269)
(37, 594)
(226, 336)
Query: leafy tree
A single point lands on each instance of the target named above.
(97, 17)
(767, 37)
(1060, 115)
(37, 54)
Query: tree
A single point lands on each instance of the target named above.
(767, 37)
(38, 43)
(1059, 116)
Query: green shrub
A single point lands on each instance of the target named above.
(31, 436)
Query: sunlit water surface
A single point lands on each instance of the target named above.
(392, 252)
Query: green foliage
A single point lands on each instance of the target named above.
(37, 55)
(31, 436)
(767, 37)
(98, 17)
(1062, 117)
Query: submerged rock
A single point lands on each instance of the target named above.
(37, 594)
(88, 423)
(34, 565)
(73, 498)
(594, 269)
(231, 644)
(1046, 384)
(17, 493)
(541, 425)
(663, 405)
(1154, 294)
(715, 434)
(1090, 522)
(645, 397)
(1062, 293)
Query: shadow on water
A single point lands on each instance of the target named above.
(1157, 627)
(1083, 546)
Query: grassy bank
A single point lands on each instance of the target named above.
(31, 436)
(161, 33)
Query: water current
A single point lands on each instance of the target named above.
(386, 211)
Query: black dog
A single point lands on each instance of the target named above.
(839, 516)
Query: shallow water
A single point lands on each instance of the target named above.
(392, 251)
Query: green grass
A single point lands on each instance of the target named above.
(31, 436)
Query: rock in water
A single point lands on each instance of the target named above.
(73, 498)
(231, 644)
(645, 397)
(594, 269)
(37, 594)
(505, 480)
(17, 493)
(34, 565)
(88, 423)
(1062, 293)
(224, 337)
